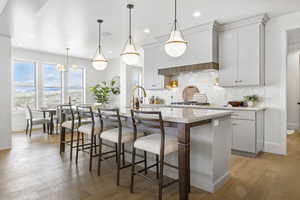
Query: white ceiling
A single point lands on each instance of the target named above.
(53, 25)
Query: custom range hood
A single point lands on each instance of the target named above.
(201, 53)
(173, 71)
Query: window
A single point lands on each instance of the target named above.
(24, 85)
(52, 85)
(76, 85)
(40, 84)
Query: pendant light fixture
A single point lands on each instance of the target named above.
(99, 61)
(176, 45)
(61, 67)
(130, 55)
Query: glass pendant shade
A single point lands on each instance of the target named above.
(61, 68)
(99, 62)
(74, 67)
(176, 45)
(130, 55)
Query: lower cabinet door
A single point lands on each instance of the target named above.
(243, 138)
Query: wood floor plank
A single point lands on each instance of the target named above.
(34, 169)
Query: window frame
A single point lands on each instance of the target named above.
(42, 85)
(83, 79)
(39, 82)
(14, 85)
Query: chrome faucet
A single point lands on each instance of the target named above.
(136, 101)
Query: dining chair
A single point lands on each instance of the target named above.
(30, 121)
(67, 117)
(119, 136)
(157, 143)
(87, 132)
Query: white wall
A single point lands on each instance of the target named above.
(293, 89)
(5, 79)
(5, 100)
(276, 54)
(113, 69)
(92, 76)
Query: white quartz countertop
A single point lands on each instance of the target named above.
(212, 107)
(186, 115)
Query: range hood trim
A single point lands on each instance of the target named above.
(173, 71)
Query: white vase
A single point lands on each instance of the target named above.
(251, 104)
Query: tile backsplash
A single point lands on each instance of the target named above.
(205, 81)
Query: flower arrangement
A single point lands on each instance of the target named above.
(252, 100)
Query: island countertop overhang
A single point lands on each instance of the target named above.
(186, 115)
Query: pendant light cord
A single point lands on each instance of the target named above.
(130, 37)
(175, 15)
(99, 36)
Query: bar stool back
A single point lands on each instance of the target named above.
(91, 130)
(157, 143)
(118, 136)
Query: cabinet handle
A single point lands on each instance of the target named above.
(234, 115)
(234, 124)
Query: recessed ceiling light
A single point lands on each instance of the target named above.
(147, 30)
(197, 14)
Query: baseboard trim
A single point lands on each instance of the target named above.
(271, 147)
(293, 126)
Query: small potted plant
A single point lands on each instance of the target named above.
(103, 91)
(251, 100)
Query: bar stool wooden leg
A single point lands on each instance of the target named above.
(123, 154)
(100, 155)
(91, 152)
(145, 162)
(71, 144)
(119, 162)
(132, 170)
(27, 126)
(77, 148)
(161, 177)
(157, 166)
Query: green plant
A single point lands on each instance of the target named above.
(253, 98)
(103, 91)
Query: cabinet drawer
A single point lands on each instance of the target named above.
(249, 115)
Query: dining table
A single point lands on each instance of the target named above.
(184, 120)
(51, 113)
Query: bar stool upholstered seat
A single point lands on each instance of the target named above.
(152, 144)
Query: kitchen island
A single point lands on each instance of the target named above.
(204, 140)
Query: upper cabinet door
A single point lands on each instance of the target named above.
(152, 63)
(249, 55)
(228, 49)
(148, 68)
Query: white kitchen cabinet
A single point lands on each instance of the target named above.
(241, 53)
(243, 135)
(151, 64)
(247, 132)
(227, 58)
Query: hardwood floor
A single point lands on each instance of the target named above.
(33, 169)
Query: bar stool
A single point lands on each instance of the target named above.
(118, 136)
(159, 144)
(69, 119)
(90, 130)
